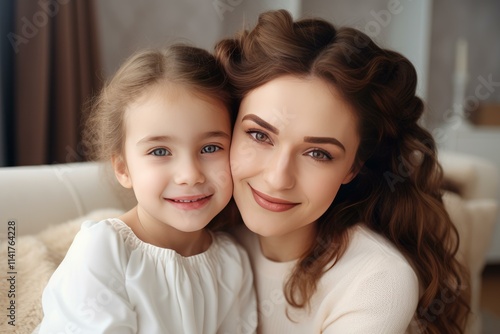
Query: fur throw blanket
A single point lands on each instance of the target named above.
(37, 256)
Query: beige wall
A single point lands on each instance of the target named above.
(478, 21)
(128, 25)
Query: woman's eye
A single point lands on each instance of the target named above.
(319, 155)
(259, 136)
(160, 152)
(210, 149)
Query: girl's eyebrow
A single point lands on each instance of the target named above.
(324, 140)
(212, 134)
(261, 122)
(160, 139)
(154, 139)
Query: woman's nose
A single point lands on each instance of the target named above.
(279, 172)
(189, 172)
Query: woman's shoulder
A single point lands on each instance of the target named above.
(368, 244)
(372, 281)
(371, 264)
(371, 255)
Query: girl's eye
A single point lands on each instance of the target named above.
(210, 149)
(319, 155)
(258, 136)
(160, 152)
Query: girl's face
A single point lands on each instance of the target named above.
(177, 157)
(294, 144)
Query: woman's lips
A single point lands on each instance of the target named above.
(271, 203)
(189, 202)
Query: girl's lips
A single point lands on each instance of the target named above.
(189, 202)
(271, 203)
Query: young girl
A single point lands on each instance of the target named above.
(164, 122)
(338, 185)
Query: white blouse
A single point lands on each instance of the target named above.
(112, 282)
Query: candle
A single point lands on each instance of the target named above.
(461, 57)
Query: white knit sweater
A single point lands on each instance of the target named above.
(371, 289)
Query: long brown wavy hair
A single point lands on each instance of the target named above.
(397, 191)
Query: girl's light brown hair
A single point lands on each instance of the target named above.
(397, 191)
(185, 65)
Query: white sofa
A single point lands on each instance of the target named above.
(48, 202)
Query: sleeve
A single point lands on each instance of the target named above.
(242, 315)
(86, 293)
(384, 302)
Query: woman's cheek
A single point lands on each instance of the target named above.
(324, 187)
(243, 155)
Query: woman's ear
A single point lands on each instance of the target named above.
(121, 171)
(352, 174)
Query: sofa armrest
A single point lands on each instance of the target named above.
(39, 196)
(474, 177)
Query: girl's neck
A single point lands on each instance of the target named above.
(160, 234)
(290, 246)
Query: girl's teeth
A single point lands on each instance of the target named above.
(185, 200)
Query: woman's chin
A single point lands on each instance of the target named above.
(262, 229)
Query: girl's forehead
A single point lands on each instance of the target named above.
(177, 105)
(169, 92)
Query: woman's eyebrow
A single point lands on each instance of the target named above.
(261, 122)
(324, 140)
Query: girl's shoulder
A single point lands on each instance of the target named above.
(108, 231)
(103, 228)
(97, 247)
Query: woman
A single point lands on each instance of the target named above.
(338, 185)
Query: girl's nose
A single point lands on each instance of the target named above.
(189, 172)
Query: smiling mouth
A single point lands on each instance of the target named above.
(188, 199)
(271, 203)
(189, 202)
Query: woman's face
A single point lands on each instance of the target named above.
(294, 144)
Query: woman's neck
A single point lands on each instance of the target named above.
(162, 235)
(289, 246)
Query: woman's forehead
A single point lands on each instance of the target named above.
(288, 100)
